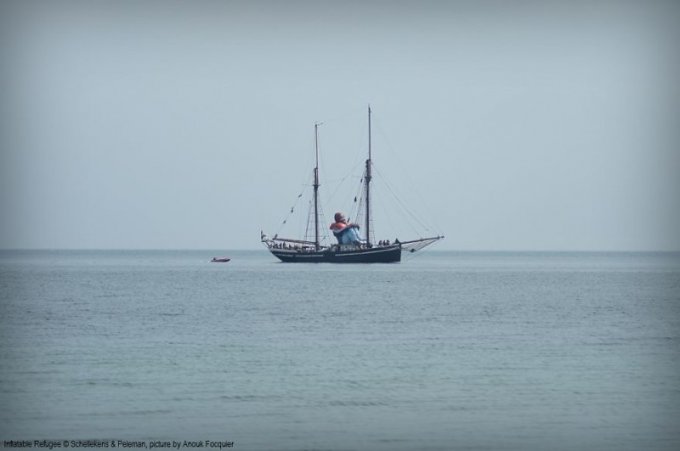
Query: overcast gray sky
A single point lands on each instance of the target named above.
(522, 125)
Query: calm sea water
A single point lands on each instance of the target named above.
(511, 351)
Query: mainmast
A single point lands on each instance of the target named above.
(316, 187)
(368, 183)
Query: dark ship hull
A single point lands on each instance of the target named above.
(335, 254)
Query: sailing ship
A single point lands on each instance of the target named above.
(291, 250)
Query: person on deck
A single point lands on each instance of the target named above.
(346, 233)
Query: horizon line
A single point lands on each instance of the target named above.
(125, 249)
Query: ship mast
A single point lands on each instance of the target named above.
(368, 183)
(316, 187)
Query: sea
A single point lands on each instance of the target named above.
(443, 351)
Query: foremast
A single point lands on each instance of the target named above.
(367, 180)
(316, 187)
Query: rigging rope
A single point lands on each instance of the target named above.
(405, 176)
(292, 210)
(411, 213)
